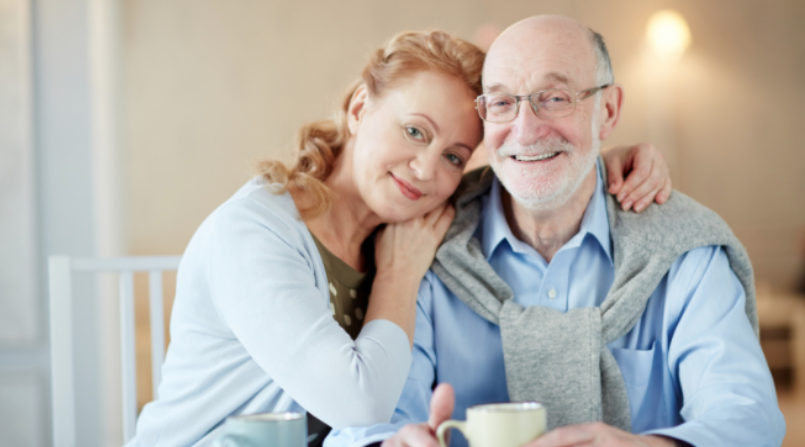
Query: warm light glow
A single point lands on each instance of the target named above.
(668, 34)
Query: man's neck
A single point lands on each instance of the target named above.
(547, 230)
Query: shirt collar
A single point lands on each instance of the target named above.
(496, 229)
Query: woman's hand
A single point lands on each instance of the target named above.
(407, 248)
(403, 254)
(648, 176)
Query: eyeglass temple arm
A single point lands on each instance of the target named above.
(590, 92)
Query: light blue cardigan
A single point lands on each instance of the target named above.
(252, 331)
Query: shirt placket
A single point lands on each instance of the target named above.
(553, 292)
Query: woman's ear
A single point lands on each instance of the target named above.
(356, 107)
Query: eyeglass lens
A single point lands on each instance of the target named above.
(547, 104)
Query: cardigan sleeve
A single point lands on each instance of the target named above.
(263, 285)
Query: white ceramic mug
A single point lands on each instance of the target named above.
(499, 425)
(265, 429)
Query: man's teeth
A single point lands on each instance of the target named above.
(536, 158)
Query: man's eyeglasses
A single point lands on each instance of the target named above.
(547, 104)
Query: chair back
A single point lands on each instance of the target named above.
(61, 269)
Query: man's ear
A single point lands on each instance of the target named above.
(356, 107)
(610, 111)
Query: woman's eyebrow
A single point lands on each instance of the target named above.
(432, 123)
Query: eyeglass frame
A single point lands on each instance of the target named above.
(517, 98)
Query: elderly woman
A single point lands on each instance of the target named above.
(285, 300)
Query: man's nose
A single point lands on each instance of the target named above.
(527, 127)
(425, 164)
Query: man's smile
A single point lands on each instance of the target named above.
(541, 157)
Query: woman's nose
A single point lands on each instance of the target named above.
(424, 165)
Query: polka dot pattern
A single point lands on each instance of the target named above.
(348, 289)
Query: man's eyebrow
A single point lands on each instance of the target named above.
(495, 88)
(432, 123)
(552, 76)
(559, 77)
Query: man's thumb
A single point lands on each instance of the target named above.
(441, 405)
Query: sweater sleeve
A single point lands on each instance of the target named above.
(263, 286)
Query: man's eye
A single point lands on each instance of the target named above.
(555, 99)
(500, 102)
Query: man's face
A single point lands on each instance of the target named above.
(542, 162)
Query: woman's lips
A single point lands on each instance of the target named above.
(407, 189)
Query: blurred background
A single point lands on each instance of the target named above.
(124, 123)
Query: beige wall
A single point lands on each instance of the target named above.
(212, 86)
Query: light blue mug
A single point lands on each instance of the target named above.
(264, 430)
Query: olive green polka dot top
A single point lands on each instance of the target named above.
(349, 288)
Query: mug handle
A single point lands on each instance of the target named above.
(233, 440)
(447, 425)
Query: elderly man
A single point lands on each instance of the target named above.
(632, 329)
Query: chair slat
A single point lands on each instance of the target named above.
(61, 351)
(61, 334)
(133, 264)
(127, 354)
(157, 328)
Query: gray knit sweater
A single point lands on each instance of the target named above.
(562, 359)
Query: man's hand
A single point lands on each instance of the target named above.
(597, 434)
(424, 435)
(648, 177)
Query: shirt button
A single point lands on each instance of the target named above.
(552, 293)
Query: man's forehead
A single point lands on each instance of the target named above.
(549, 47)
(530, 72)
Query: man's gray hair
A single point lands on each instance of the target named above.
(603, 68)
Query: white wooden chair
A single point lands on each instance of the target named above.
(61, 269)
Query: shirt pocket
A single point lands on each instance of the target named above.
(640, 370)
(635, 364)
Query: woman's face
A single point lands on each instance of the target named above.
(410, 146)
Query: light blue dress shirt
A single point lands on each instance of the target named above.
(692, 365)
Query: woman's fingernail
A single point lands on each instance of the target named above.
(627, 205)
(639, 207)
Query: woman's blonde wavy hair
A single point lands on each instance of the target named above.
(320, 143)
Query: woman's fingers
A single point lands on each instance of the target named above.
(641, 170)
(646, 200)
(445, 219)
(665, 192)
(434, 215)
(615, 168)
(644, 193)
(411, 245)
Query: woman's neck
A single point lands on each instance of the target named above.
(346, 224)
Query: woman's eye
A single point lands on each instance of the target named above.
(455, 159)
(414, 133)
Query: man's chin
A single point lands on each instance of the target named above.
(525, 181)
(537, 200)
